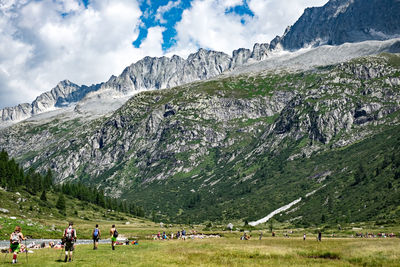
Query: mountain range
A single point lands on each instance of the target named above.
(335, 23)
(312, 115)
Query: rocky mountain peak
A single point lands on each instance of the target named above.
(337, 22)
(341, 21)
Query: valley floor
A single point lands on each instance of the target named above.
(229, 251)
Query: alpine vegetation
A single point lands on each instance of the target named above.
(303, 130)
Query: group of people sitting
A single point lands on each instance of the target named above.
(164, 236)
(245, 236)
(372, 235)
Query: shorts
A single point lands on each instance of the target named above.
(96, 239)
(114, 239)
(15, 247)
(69, 246)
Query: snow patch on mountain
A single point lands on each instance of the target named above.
(275, 212)
(284, 208)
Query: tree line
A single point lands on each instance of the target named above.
(13, 177)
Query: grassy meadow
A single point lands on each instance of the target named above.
(228, 251)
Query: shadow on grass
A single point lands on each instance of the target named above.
(320, 255)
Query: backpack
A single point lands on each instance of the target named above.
(115, 233)
(15, 238)
(69, 234)
(96, 232)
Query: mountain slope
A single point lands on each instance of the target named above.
(209, 149)
(338, 22)
(62, 95)
(146, 74)
(341, 21)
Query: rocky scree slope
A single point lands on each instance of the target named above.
(237, 141)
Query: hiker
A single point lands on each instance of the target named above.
(304, 237)
(243, 237)
(183, 234)
(319, 236)
(15, 242)
(261, 235)
(247, 236)
(178, 235)
(69, 239)
(114, 235)
(96, 236)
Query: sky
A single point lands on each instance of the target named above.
(43, 42)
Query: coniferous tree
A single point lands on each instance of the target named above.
(359, 175)
(60, 205)
(109, 204)
(12, 177)
(3, 155)
(48, 179)
(140, 212)
(43, 196)
(114, 204)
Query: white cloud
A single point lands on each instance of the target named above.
(40, 46)
(207, 24)
(272, 17)
(43, 42)
(231, 3)
(164, 9)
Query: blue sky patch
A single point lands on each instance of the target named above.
(171, 17)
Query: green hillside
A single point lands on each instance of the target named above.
(239, 147)
(42, 208)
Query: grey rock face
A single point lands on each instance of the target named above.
(240, 57)
(16, 113)
(341, 21)
(337, 22)
(161, 73)
(260, 51)
(148, 73)
(190, 132)
(62, 95)
(332, 107)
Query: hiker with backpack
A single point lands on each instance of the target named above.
(96, 236)
(114, 235)
(69, 239)
(15, 242)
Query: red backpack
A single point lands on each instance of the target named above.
(69, 234)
